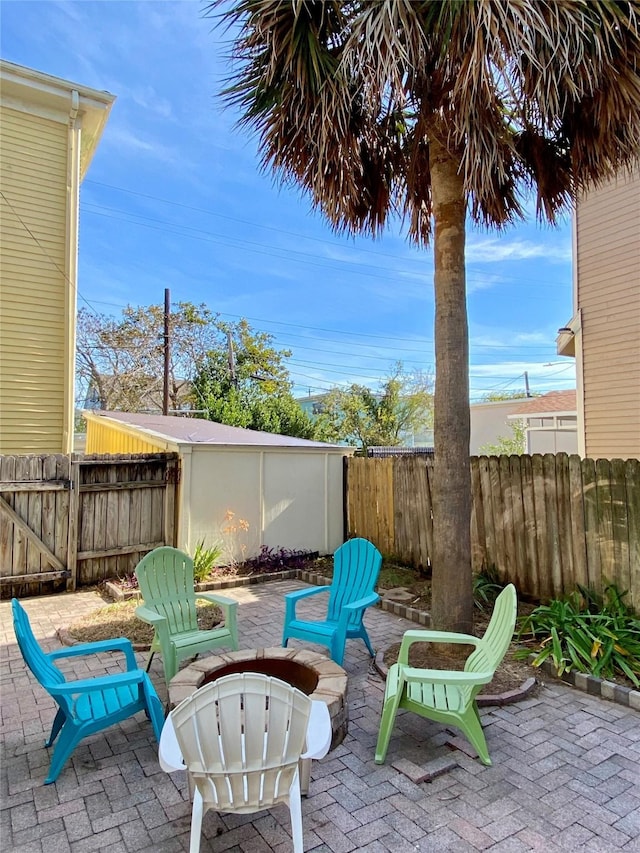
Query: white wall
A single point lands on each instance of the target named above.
(289, 498)
(552, 441)
(489, 423)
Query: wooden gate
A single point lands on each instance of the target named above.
(68, 521)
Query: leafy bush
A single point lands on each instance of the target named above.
(275, 559)
(486, 587)
(591, 633)
(204, 560)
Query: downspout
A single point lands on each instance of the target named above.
(71, 270)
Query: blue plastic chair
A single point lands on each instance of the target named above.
(89, 705)
(356, 566)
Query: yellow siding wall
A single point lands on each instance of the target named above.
(608, 254)
(33, 315)
(108, 438)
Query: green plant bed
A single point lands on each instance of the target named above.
(586, 632)
(119, 620)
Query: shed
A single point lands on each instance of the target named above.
(239, 487)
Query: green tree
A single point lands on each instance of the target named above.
(439, 109)
(247, 384)
(364, 418)
(513, 444)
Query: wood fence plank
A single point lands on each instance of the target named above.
(554, 564)
(539, 502)
(74, 528)
(575, 499)
(63, 472)
(592, 531)
(605, 520)
(7, 472)
(632, 483)
(620, 525)
(532, 587)
(565, 579)
(520, 569)
(487, 510)
(20, 505)
(496, 499)
(34, 516)
(507, 490)
(426, 466)
(478, 548)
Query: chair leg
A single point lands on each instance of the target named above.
(68, 741)
(365, 637)
(304, 769)
(337, 649)
(149, 659)
(471, 726)
(295, 808)
(196, 822)
(391, 703)
(58, 722)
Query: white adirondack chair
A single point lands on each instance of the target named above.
(241, 739)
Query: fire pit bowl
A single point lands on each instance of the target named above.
(312, 673)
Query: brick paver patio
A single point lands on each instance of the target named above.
(565, 774)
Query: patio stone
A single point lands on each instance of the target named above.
(564, 775)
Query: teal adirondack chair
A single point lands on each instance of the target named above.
(356, 566)
(165, 578)
(445, 696)
(91, 704)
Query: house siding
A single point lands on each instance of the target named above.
(33, 365)
(608, 283)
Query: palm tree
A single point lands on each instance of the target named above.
(437, 110)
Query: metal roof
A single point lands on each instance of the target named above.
(199, 431)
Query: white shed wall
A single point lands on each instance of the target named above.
(289, 499)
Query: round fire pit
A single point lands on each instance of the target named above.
(312, 673)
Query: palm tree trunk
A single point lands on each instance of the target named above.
(452, 594)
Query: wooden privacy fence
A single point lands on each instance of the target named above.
(69, 521)
(546, 522)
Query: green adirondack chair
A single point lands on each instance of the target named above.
(445, 696)
(165, 578)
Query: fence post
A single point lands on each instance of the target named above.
(74, 508)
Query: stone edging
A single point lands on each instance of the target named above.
(484, 699)
(587, 683)
(617, 693)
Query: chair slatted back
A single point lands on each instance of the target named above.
(47, 674)
(241, 737)
(165, 578)
(498, 635)
(356, 567)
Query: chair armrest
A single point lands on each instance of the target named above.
(444, 676)
(169, 754)
(319, 731)
(420, 636)
(98, 683)
(151, 616)
(292, 598)
(222, 601)
(362, 603)
(117, 644)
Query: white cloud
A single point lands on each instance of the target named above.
(493, 250)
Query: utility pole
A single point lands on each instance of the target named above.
(232, 361)
(166, 351)
(527, 393)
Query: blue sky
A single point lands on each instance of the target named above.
(175, 198)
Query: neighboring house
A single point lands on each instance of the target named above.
(49, 130)
(550, 422)
(604, 332)
(490, 422)
(289, 491)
